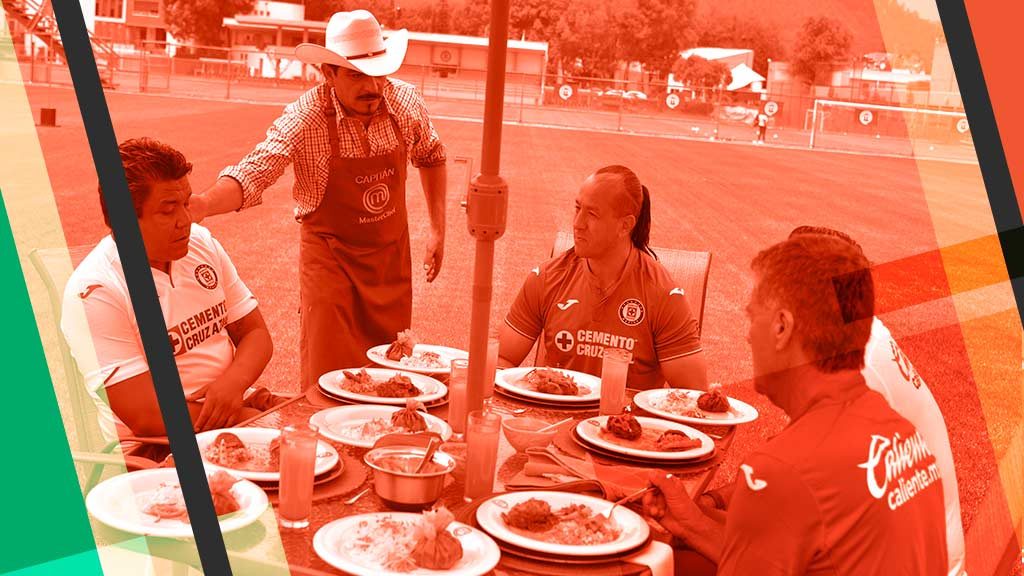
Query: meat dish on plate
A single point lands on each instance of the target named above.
(625, 430)
(549, 381)
(229, 451)
(168, 503)
(402, 350)
(683, 403)
(575, 525)
(398, 386)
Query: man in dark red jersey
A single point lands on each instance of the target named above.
(849, 487)
(608, 291)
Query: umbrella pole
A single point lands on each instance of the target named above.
(487, 203)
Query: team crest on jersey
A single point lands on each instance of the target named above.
(564, 340)
(631, 312)
(206, 276)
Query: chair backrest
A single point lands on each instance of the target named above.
(690, 271)
(54, 266)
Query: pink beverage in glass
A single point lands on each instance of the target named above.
(614, 369)
(491, 367)
(458, 395)
(298, 462)
(482, 431)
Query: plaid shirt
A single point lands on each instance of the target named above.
(300, 135)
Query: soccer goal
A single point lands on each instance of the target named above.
(858, 126)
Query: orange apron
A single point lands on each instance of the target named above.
(355, 275)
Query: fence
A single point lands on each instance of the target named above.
(653, 108)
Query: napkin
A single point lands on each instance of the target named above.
(548, 468)
(657, 556)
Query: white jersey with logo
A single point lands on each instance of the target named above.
(199, 298)
(889, 372)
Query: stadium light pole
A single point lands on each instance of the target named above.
(487, 203)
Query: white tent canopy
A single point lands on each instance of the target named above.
(734, 58)
(743, 76)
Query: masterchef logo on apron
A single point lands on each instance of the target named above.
(377, 197)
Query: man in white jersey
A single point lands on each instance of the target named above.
(220, 340)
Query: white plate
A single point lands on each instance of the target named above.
(509, 380)
(378, 355)
(334, 422)
(118, 503)
(634, 529)
(431, 388)
(588, 431)
(739, 412)
(326, 455)
(335, 541)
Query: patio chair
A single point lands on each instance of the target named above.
(689, 269)
(91, 447)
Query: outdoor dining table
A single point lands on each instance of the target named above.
(257, 549)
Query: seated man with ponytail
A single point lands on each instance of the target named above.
(608, 291)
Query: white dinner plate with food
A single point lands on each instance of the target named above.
(382, 543)
(361, 425)
(254, 461)
(529, 382)
(425, 359)
(681, 405)
(149, 503)
(649, 444)
(569, 535)
(381, 386)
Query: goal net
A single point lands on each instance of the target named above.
(875, 128)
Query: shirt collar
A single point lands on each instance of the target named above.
(631, 261)
(810, 389)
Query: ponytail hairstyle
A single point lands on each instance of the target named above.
(636, 201)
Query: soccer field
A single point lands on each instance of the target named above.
(729, 199)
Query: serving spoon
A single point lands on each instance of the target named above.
(428, 455)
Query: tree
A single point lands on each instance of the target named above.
(321, 10)
(440, 18)
(585, 43)
(916, 39)
(535, 19)
(473, 18)
(701, 74)
(748, 33)
(202, 21)
(822, 42)
(654, 31)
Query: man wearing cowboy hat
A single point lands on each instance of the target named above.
(350, 139)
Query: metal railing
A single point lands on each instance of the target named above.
(642, 107)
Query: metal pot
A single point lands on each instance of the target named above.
(398, 486)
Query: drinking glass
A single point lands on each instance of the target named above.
(491, 366)
(298, 462)
(457, 395)
(614, 369)
(482, 430)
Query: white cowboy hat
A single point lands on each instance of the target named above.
(355, 40)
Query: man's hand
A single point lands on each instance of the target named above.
(198, 207)
(670, 505)
(220, 407)
(435, 255)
